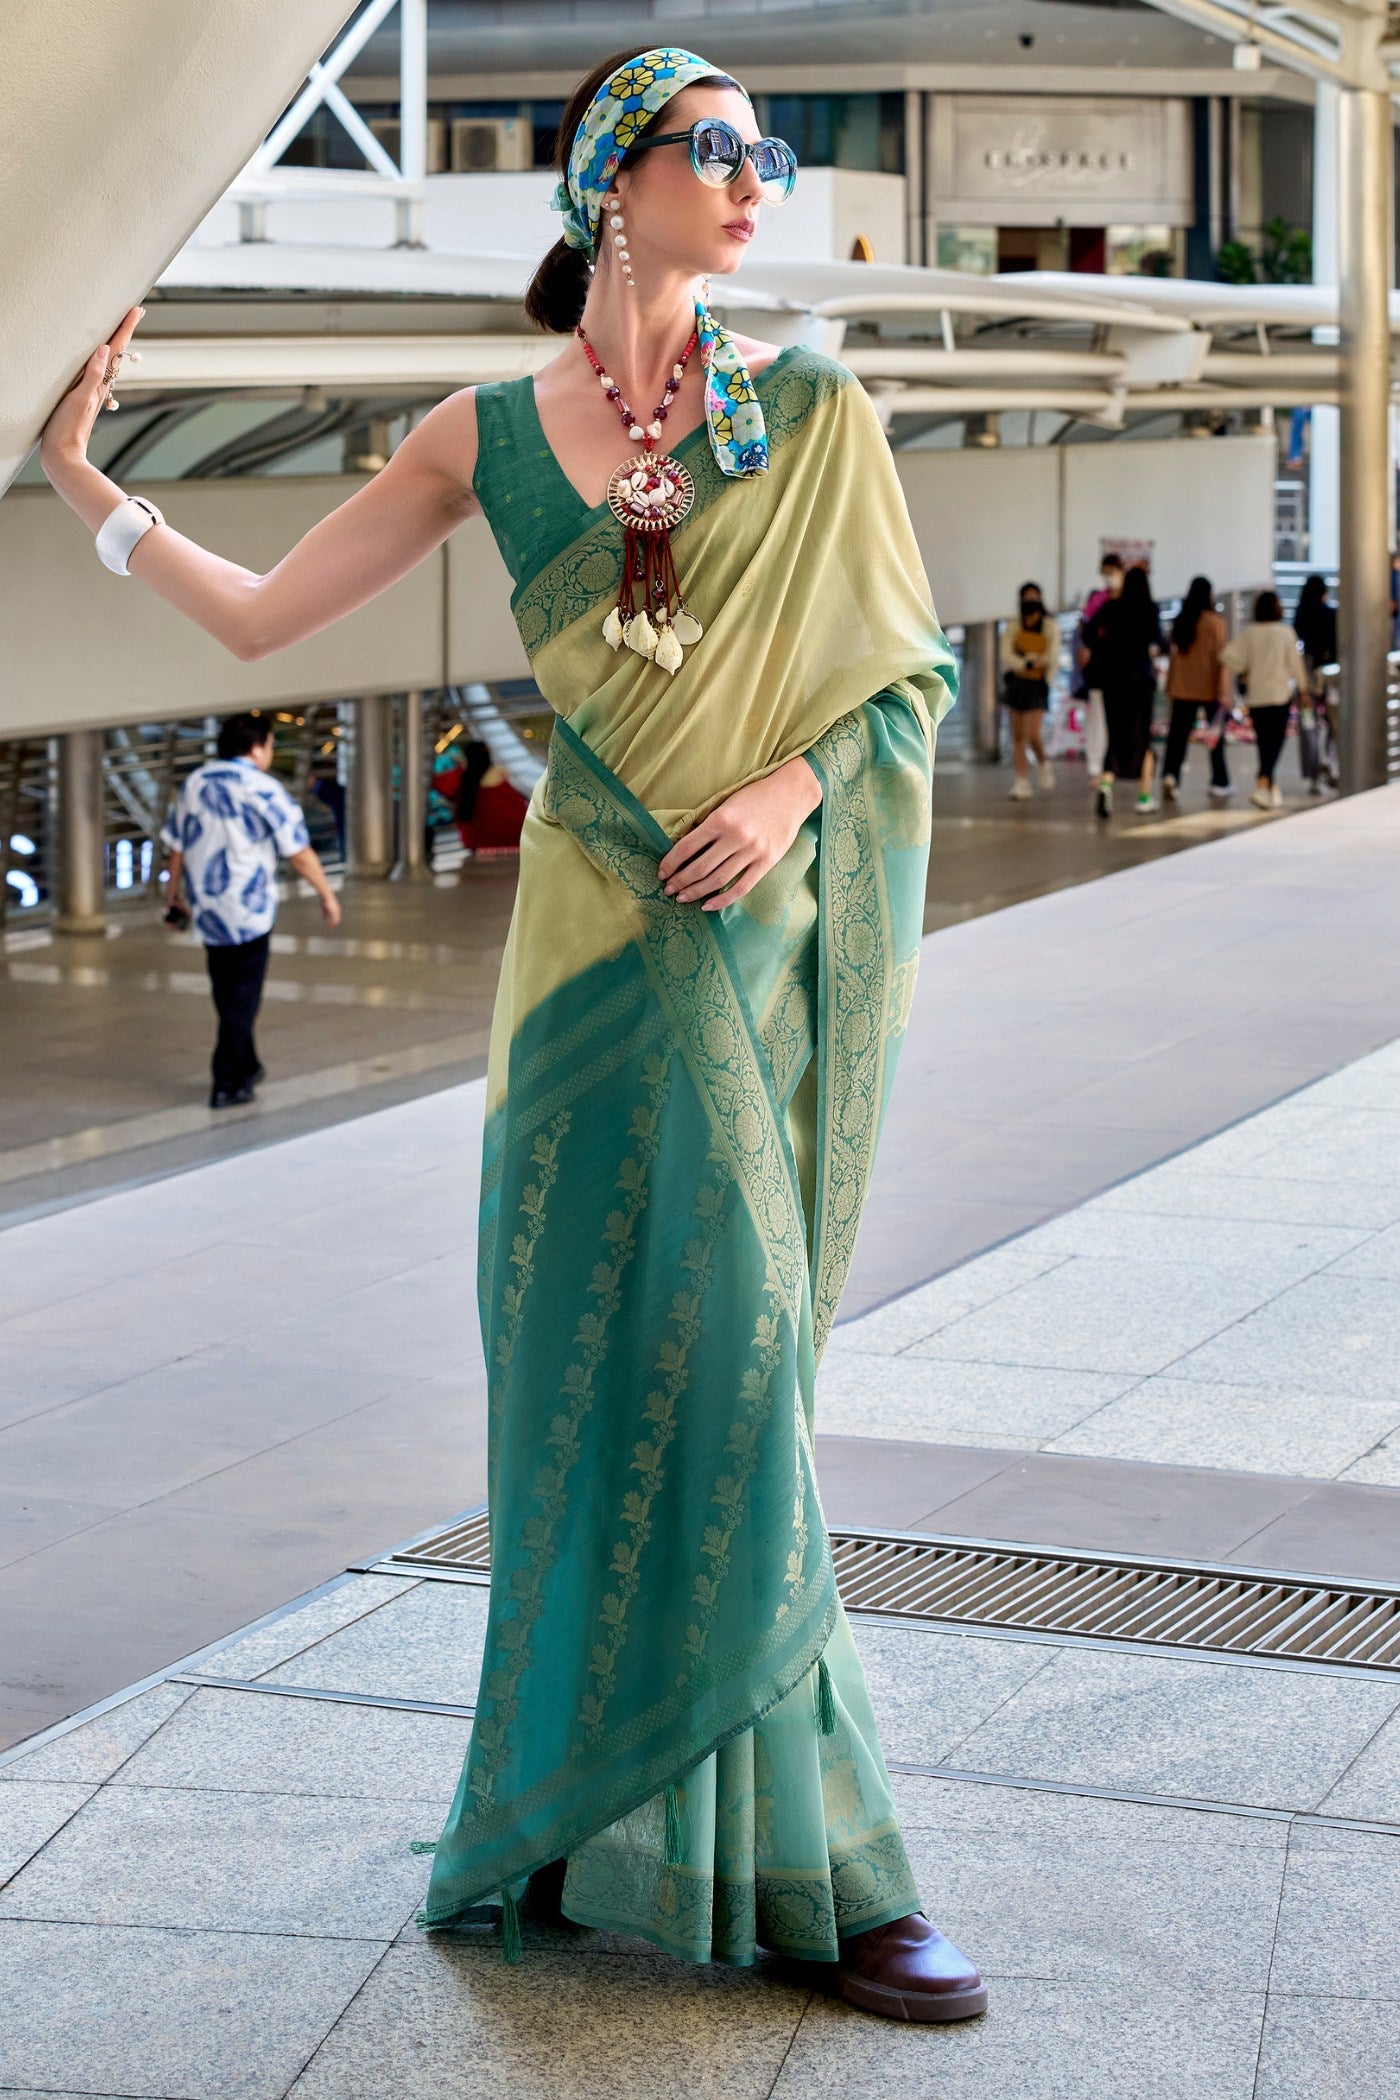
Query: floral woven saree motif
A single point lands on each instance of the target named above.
(682, 1111)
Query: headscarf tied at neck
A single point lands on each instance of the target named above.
(623, 105)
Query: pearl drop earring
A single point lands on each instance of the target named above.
(615, 220)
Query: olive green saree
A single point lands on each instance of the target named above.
(682, 1111)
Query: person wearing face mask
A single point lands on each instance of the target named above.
(1125, 636)
(1030, 647)
(1089, 688)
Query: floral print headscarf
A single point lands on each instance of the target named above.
(623, 105)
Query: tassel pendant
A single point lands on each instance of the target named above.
(512, 1945)
(826, 1702)
(673, 1845)
(649, 494)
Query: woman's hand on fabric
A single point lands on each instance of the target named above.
(68, 430)
(722, 857)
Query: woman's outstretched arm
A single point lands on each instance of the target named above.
(381, 532)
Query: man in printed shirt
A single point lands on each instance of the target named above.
(225, 833)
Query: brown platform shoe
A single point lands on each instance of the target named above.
(909, 1971)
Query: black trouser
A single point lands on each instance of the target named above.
(1270, 729)
(1127, 709)
(1183, 721)
(236, 976)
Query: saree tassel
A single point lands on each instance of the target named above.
(512, 1945)
(826, 1702)
(669, 653)
(673, 1845)
(422, 1844)
(612, 629)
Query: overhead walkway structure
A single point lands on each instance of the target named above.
(927, 342)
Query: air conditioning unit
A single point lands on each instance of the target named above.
(487, 145)
(386, 130)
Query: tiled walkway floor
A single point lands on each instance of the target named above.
(219, 1388)
(1181, 1874)
(1181, 1877)
(1203, 1361)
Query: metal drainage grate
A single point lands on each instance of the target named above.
(1179, 1604)
(465, 1545)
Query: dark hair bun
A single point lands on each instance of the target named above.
(558, 289)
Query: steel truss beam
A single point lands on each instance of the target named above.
(264, 181)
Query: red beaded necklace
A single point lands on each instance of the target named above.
(648, 494)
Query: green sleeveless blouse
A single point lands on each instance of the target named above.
(533, 509)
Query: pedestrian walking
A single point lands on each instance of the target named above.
(1125, 640)
(1110, 583)
(1197, 681)
(1030, 652)
(230, 823)
(705, 985)
(1265, 659)
(1315, 624)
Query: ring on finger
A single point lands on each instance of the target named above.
(109, 378)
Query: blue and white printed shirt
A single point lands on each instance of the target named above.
(231, 820)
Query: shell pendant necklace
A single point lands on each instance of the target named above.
(648, 494)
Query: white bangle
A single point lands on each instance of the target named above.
(121, 529)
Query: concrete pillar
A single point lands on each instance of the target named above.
(979, 693)
(412, 863)
(1324, 550)
(927, 164)
(1364, 272)
(80, 886)
(369, 840)
(915, 187)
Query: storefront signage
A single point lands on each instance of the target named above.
(1029, 159)
(1043, 160)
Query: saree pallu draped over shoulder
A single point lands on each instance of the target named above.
(682, 1113)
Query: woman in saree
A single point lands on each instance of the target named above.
(705, 983)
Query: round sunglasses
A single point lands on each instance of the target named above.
(717, 154)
